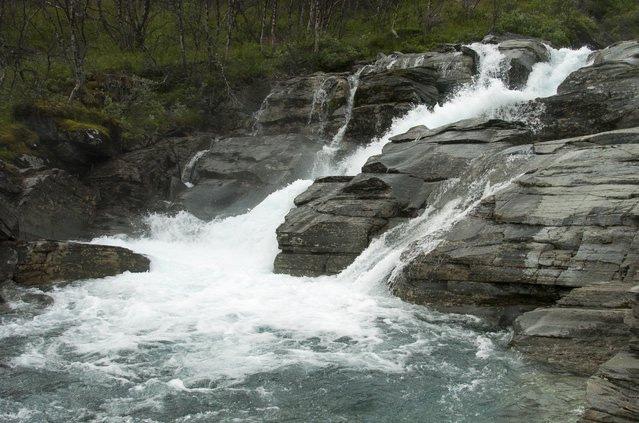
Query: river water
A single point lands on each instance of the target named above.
(212, 334)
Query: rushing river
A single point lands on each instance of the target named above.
(212, 334)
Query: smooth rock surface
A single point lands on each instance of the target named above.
(235, 174)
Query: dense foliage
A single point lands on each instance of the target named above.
(168, 66)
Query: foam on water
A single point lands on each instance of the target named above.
(211, 318)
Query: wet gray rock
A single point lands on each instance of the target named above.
(442, 153)
(45, 203)
(601, 97)
(522, 55)
(55, 205)
(309, 105)
(235, 174)
(387, 90)
(337, 218)
(570, 222)
(624, 51)
(613, 392)
(42, 263)
(141, 181)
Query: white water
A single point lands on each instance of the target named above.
(211, 308)
(487, 96)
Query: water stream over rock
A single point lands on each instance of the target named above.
(212, 334)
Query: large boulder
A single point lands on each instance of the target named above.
(234, 174)
(521, 54)
(69, 137)
(337, 217)
(43, 263)
(624, 51)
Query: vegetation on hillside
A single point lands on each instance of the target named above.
(162, 67)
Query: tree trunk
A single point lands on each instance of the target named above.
(263, 23)
(273, 20)
(230, 24)
(317, 26)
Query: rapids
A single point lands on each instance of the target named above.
(212, 334)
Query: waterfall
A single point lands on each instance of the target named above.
(212, 334)
(324, 161)
(257, 126)
(189, 167)
(318, 105)
(487, 96)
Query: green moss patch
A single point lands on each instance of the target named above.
(15, 140)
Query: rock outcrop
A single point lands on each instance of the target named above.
(520, 54)
(601, 97)
(234, 174)
(318, 105)
(336, 218)
(73, 145)
(310, 105)
(570, 222)
(44, 203)
(389, 88)
(42, 263)
(143, 180)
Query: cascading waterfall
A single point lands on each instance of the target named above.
(487, 96)
(324, 162)
(257, 126)
(211, 334)
(318, 104)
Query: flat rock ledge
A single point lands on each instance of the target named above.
(43, 263)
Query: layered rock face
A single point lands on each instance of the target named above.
(320, 104)
(44, 203)
(312, 105)
(392, 86)
(613, 392)
(337, 217)
(570, 222)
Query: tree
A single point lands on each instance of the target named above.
(126, 21)
(70, 18)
